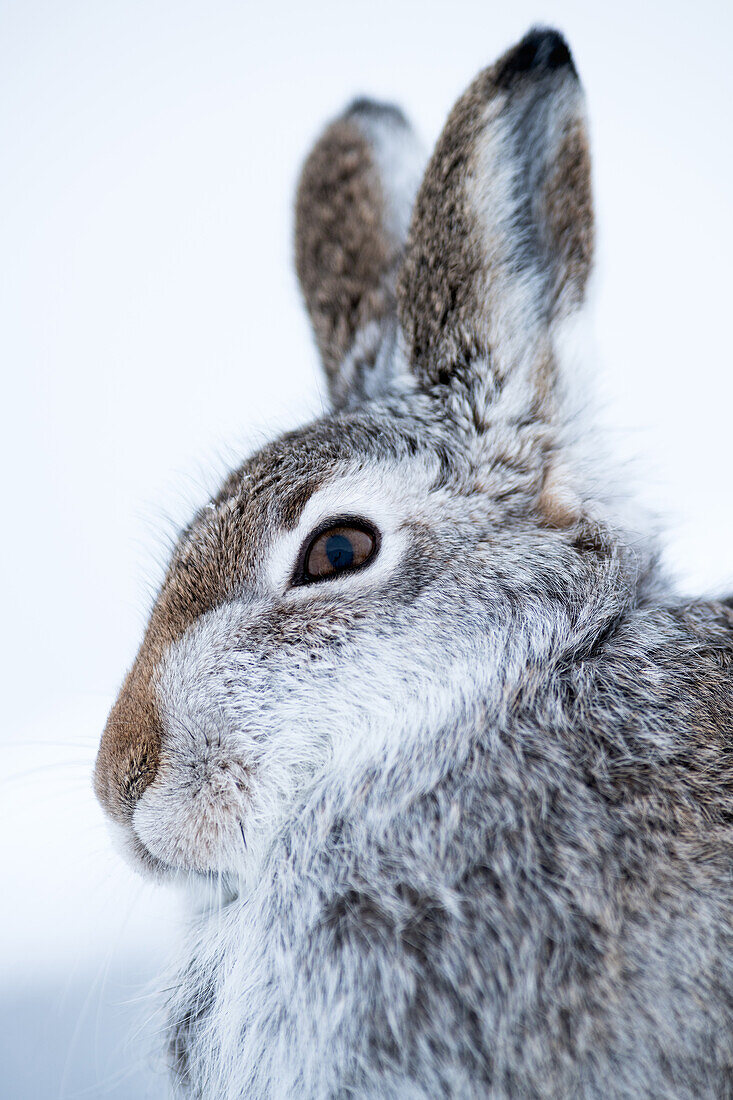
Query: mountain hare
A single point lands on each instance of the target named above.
(415, 693)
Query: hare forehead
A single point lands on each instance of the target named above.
(345, 464)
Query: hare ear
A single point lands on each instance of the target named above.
(501, 240)
(353, 208)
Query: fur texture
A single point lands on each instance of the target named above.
(470, 808)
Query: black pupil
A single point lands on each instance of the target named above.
(339, 551)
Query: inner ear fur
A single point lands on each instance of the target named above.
(501, 240)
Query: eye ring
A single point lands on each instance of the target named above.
(344, 555)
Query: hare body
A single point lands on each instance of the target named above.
(535, 904)
(414, 690)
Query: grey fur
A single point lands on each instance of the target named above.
(471, 808)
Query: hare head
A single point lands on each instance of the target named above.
(359, 583)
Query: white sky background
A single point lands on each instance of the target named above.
(151, 333)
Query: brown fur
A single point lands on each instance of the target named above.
(436, 288)
(130, 748)
(568, 215)
(344, 256)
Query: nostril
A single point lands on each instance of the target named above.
(129, 752)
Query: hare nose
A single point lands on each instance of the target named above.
(129, 752)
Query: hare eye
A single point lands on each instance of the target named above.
(339, 549)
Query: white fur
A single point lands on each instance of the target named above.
(386, 496)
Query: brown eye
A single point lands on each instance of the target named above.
(338, 549)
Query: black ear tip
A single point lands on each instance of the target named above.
(542, 50)
(371, 110)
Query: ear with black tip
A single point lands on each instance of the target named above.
(501, 240)
(353, 209)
